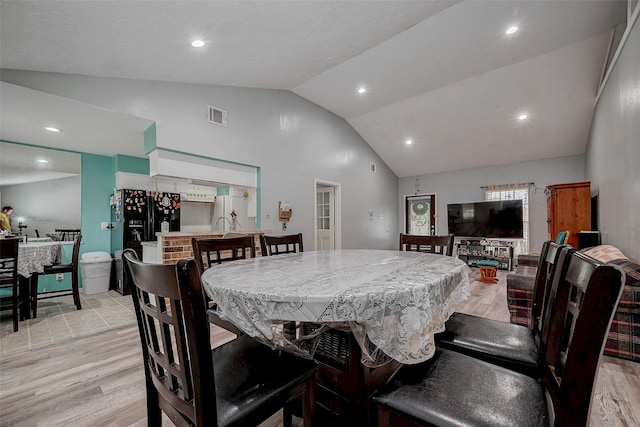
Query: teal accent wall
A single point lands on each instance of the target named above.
(150, 139)
(122, 163)
(98, 181)
(223, 191)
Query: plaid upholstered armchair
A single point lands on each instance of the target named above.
(623, 339)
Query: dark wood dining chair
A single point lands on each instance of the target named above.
(276, 245)
(67, 234)
(513, 346)
(456, 389)
(242, 382)
(71, 267)
(10, 298)
(209, 252)
(442, 245)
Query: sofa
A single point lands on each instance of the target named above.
(623, 339)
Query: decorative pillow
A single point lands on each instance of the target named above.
(605, 253)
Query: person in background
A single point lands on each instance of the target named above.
(5, 224)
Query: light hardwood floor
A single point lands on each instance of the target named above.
(96, 379)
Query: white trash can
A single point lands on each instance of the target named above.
(95, 268)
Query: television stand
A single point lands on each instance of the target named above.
(472, 251)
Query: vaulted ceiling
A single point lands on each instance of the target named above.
(441, 73)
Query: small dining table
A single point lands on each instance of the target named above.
(392, 302)
(32, 258)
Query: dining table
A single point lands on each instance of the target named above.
(32, 258)
(384, 306)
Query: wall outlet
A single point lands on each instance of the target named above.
(104, 226)
(59, 277)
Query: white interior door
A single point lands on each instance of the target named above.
(325, 218)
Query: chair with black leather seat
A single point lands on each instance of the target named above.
(453, 389)
(71, 267)
(442, 245)
(9, 293)
(276, 245)
(209, 252)
(512, 346)
(242, 382)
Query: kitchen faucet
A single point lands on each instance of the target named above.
(224, 218)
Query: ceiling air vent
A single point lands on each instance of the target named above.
(373, 167)
(217, 116)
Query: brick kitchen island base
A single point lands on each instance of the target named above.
(173, 246)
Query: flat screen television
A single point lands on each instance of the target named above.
(495, 219)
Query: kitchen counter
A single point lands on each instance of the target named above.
(176, 245)
(217, 233)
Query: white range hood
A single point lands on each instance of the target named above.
(197, 197)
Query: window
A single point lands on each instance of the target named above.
(513, 192)
(323, 205)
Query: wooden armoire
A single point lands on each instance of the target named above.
(569, 208)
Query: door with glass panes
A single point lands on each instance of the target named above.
(325, 229)
(420, 214)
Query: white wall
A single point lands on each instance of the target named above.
(465, 186)
(45, 205)
(292, 140)
(613, 152)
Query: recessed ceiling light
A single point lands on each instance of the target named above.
(522, 117)
(408, 142)
(362, 89)
(511, 30)
(197, 43)
(52, 129)
(43, 161)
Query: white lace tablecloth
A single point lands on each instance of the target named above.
(393, 300)
(32, 257)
